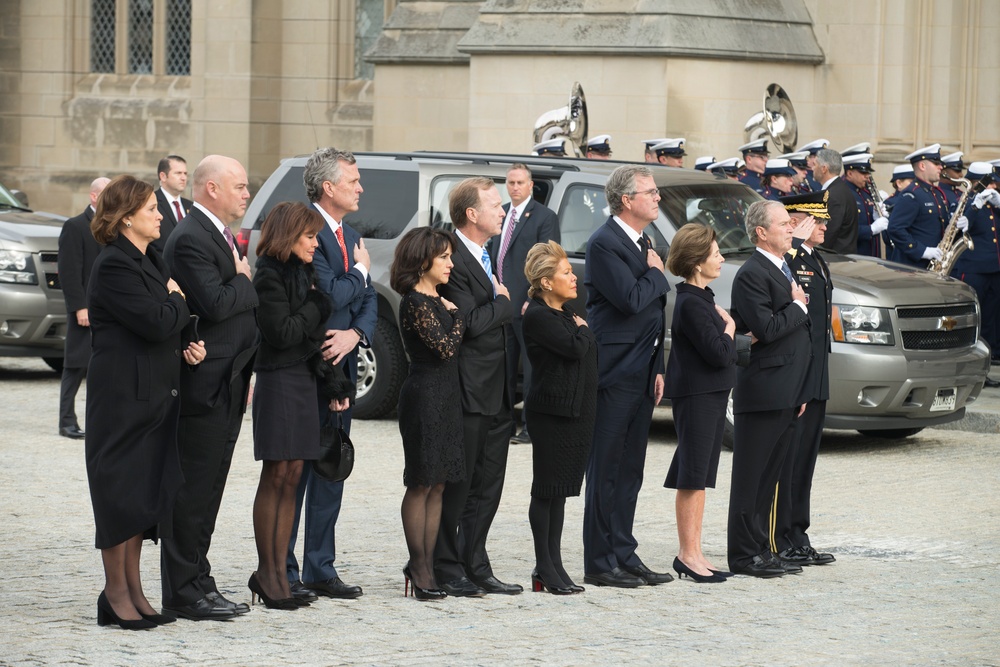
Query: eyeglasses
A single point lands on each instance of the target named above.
(652, 192)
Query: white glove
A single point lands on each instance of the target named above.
(880, 224)
(932, 253)
(883, 195)
(991, 196)
(981, 199)
(962, 223)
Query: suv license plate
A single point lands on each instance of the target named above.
(944, 401)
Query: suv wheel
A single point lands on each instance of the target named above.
(55, 363)
(381, 371)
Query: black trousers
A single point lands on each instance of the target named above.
(206, 443)
(791, 508)
(762, 439)
(517, 352)
(68, 387)
(469, 506)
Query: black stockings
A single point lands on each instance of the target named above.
(546, 517)
(421, 514)
(273, 517)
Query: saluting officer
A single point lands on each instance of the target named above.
(920, 212)
(812, 148)
(599, 148)
(755, 155)
(951, 170)
(872, 220)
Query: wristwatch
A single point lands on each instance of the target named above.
(361, 334)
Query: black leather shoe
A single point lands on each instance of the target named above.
(990, 382)
(790, 568)
(617, 577)
(521, 438)
(202, 610)
(497, 587)
(765, 568)
(300, 592)
(462, 588)
(221, 602)
(72, 432)
(806, 556)
(334, 588)
(650, 577)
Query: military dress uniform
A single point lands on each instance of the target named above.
(869, 244)
(751, 178)
(951, 190)
(917, 222)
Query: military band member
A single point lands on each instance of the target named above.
(778, 180)
(550, 148)
(755, 156)
(800, 163)
(729, 168)
(599, 148)
(902, 176)
(920, 212)
(648, 154)
(856, 149)
(701, 163)
(812, 148)
(872, 220)
(670, 152)
(951, 170)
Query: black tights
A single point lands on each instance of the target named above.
(421, 514)
(546, 517)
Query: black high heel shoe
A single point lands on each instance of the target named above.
(537, 586)
(159, 619)
(722, 573)
(257, 591)
(684, 571)
(421, 594)
(106, 616)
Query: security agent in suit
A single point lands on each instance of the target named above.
(203, 259)
(626, 295)
(77, 252)
(767, 398)
(461, 565)
(842, 227)
(920, 211)
(333, 185)
(526, 222)
(791, 510)
(173, 174)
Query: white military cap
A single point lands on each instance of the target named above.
(860, 162)
(932, 153)
(551, 147)
(814, 147)
(673, 147)
(857, 149)
(701, 163)
(600, 144)
(759, 147)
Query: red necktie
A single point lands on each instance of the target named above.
(177, 207)
(343, 246)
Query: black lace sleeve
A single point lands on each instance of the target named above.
(438, 329)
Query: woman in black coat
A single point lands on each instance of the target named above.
(561, 404)
(137, 313)
(701, 372)
(292, 318)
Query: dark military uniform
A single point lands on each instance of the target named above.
(752, 180)
(919, 216)
(980, 268)
(869, 244)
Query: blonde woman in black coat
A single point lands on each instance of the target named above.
(561, 404)
(137, 313)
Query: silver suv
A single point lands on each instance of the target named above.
(906, 351)
(32, 310)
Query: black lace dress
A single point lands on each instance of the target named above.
(430, 402)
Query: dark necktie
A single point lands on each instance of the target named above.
(177, 208)
(229, 237)
(343, 246)
(787, 271)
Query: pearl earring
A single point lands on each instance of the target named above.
(128, 224)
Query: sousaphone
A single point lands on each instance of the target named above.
(568, 122)
(776, 122)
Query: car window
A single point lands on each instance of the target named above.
(441, 188)
(720, 206)
(7, 199)
(583, 209)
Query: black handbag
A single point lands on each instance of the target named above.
(336, 457)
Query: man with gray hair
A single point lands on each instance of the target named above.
(842, 227)
(626, 294)
(767, 397)
(342, 264)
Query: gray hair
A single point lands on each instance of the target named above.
(830, 159)
(621, 182)
(759, 215)
(324, 165)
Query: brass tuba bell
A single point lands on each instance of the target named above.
(776, 122)
(568, 122)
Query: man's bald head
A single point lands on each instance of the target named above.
(96, 188)
(220, 184)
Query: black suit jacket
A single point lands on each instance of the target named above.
(537, 224)
(702, 356)
(78, 249)
(482, 357)
(842, 227)
(169, 221)
(762, 304)
(202, 264)
(811, 272)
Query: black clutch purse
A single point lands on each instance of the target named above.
(742, 350)
(336, 457)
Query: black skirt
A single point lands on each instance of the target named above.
(286, 415)
(700, 421)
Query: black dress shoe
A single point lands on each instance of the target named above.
(334, 588)
(651, 578)
(617, 577)
(990, 382)
(462, 588)
(521, 438)
(202, 610)
(300, 592)
(806, 556)
(216, 598)
(765, 568)
(72, 432)
(497, 587)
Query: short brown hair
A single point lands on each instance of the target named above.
(122, 197)
(464, 196)
(691, 245)
(284, 225)
(519, 166)
(414, 255)
(542, 261)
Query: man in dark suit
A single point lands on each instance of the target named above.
(842, 228)
(461, 564)
(205, 262)
(626, 295)
(526, 222)
(333, 185)
(791, 511)
(77, 252)
(768, 303)
(173, 174)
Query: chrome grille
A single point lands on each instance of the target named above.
(939, 327)
(939, 340)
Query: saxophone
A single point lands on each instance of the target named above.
(950, 247)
